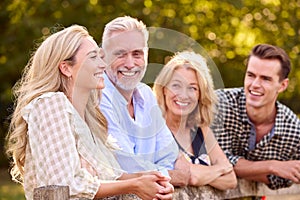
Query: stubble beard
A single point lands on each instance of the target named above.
(128, 84)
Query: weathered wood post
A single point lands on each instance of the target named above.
(51, 192)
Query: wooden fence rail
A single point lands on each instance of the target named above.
(51, 192)
(244, 189)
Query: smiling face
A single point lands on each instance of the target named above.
(182, 92)
(89, 67)
(262, 82)
(126, 56)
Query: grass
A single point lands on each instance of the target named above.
(8, 189)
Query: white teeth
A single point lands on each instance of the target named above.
(256, 93)
(181, 103)
(98, 75)
(128, 73)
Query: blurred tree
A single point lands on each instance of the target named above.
(227, 30)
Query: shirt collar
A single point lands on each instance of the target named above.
(278, 119)
(137, 96)
(242, 107)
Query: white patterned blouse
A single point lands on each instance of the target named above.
(61, 150)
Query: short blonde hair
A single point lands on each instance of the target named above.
(204, 112)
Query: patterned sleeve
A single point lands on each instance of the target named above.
(54, 150)
(277, 182)
(226, 139)
(291, 128)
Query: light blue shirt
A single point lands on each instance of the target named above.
(146, 142)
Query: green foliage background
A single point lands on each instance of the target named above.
(227, 29)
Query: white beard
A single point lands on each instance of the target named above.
(128, 83)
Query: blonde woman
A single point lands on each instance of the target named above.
(58, 136)
(185, 93)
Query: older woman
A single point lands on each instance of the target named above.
(185, 93)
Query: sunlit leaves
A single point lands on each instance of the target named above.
(148, 3)
(16, 10)
(271, 2)
(226, 29)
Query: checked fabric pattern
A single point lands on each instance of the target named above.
(232, 129)
(61, 149)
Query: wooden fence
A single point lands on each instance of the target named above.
(51, 192)
(244, 189)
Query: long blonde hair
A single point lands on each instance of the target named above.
(204, 112)
(42, 75)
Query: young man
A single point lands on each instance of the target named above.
(134, 117)
(260, 136)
